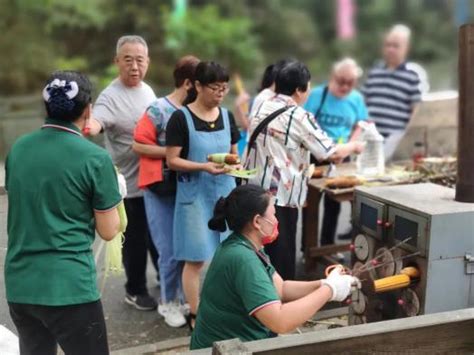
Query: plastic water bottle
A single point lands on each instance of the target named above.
(371, 161)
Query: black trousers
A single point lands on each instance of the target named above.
(331, 213)
(78, 329)
(282, 252)
(136, 246)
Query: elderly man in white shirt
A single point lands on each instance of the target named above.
(116, 112)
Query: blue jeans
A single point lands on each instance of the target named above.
(160, 212)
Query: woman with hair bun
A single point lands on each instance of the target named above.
(243, 296)
(61, 189)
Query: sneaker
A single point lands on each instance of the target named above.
(141, 302)
(339, 257)
(185, 309)
(172, 314)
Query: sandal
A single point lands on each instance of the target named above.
(189, 321)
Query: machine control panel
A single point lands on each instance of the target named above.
(403, 251)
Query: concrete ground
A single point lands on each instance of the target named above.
(127, 327)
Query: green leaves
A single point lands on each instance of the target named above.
(39, 36)
(205, 33)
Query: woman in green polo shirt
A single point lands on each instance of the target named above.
(243, 296)
(61, 188)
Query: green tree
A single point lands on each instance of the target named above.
(210, 36)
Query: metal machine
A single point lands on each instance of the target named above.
(419, 226)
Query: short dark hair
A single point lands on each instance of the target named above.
(271, 72)
(185, 69)
(239, 208)
(206, 73)
(268, 77)
(211, 72)
(58, 104)
(293, 76)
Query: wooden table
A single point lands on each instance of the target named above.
(316, 189)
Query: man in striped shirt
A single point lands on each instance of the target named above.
(391, 90)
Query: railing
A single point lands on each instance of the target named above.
(441, 333)
(18, 115)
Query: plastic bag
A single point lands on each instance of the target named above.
(371, 161)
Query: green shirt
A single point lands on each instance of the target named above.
(238, 283)
(55, 180)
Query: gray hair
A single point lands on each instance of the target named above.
(130, 39)
(348, 63)
(401, 30)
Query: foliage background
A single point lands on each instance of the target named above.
(39, 36)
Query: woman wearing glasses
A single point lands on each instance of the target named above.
(193, 132)
(337, 107)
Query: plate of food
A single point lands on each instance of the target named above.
(232, 163)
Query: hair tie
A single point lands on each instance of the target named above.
(57, 87)
(221, 205)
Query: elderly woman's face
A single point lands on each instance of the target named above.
(213, 93)
(342, 82)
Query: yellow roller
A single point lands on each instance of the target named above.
(411, 271)
(391, 283)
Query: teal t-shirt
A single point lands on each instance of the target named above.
(55, 179)
(338, 116)
(237, 284)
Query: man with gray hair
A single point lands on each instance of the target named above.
(116, 113)
(337, 107)
(392, 89)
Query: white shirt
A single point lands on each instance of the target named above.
(282, 150)
(261, 97)
(118, 109)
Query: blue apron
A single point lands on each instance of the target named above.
(197, 193)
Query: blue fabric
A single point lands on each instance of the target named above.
(242, 144)
(159, 214)
(197, 193)
(338, 115)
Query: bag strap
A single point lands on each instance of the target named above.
(261, 126)
(321, 104)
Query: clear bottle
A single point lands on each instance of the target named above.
(371, 161)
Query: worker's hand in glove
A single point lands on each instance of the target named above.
(122, 184)
(340, 284)
(356, 284)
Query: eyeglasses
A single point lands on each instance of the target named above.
(389, 44)
(217, 88)
(345, 82)
(129, 60)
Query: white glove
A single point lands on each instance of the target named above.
(340, 284)
(122, 184)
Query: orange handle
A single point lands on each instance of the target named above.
(330, 268)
